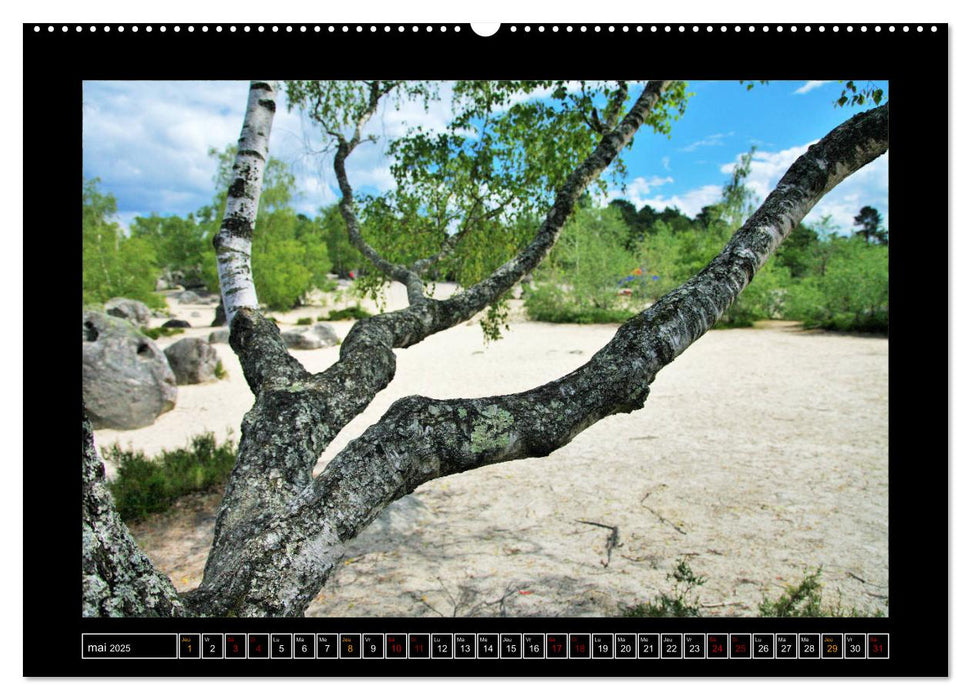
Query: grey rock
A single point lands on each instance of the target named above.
(326, 333)
(176, 323)
(126, 380)
(302, 341)
(321, 335)
(188, 297)
(220, 336)
(193, 360)
(128, 309)
(220, 319)
(195, 314)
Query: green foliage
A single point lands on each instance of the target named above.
(871, 230)
(802, 600)
(180, 246)
(681, 602)
(114, 265)
(581, 280)
(805, 599)
(857, 96)
(220, 370)
(161, 332)
(351, 312)
(851, 294)
(147, 485)
(306, 321)
(482, 183)
(344, 257)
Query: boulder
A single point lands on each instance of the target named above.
(193, 360)
(188, 297)
(220, 319)
(176, 323)
(128, 309)
(220, 336)
(302, 341)
(321, 335)
(326, 333)
(126, 380)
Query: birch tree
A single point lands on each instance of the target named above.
(281, 531)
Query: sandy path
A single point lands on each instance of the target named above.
(761, 454)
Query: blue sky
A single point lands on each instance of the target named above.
(148, 142)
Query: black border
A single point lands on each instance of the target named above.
(915, 63)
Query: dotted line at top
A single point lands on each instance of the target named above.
(415, 28)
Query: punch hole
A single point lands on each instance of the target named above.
(485, 29)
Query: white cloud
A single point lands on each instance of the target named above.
(149, 140)
(869, 186)
(690, 203)
(810, 85)
(712, 140)
(641, 187)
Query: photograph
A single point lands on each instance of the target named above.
(469, 348)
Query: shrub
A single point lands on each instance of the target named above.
(113, 264)
(147, 485)
(676, 604)
(852, 294)
(351, 312)
(802, 600)
(304, 321)
(546, 303)
(160, 332)
(220, 370)
(805, 599)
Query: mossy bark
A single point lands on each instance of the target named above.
(118, 580)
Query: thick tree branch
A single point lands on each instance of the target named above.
(293, 421)
(118, 580)
(370, 342)
(420, 439)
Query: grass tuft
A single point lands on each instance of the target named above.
(351, 312)
(146, 485)
(160, 332)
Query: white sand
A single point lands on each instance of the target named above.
(760, 455)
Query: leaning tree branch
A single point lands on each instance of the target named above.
(420, 439)
(291, 424)
(366, 359)
(451, 242)
(399, 273)
(117, 579)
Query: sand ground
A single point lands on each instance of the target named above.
(760, 455)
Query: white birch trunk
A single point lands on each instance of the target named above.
(235, 239)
